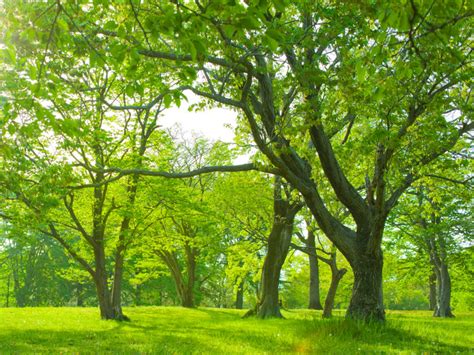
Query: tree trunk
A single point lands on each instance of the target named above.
(116, 294)
(336, 276)
(184, 289)
(314, 296)
(438, 257)
(367, 299)
(269, 302)
(443, 304)
(191, 254)
(107, 310)
(239, 299)
(18, 291)
(187, 299)
(103, 296)
(279, 240)
(432, 296)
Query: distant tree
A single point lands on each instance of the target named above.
(437, 220)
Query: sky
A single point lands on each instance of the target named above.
(210, 123)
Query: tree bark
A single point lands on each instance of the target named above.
(443, 304)
(278, 246)
(437, 249)
(367, 298)
(269, 302)
(100, 279)
(116, 294)
(314, 295)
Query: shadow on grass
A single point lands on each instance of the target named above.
(216, 331)
(92, 342)
(377, 337)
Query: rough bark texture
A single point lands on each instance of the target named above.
(367, 298)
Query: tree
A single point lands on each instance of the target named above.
(436, 221)
(32, 265)
(73, 125)
(285, 208)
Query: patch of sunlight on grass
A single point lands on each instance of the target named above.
(208, 330)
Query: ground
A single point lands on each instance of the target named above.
(206, 330)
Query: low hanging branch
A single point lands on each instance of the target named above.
(173, 175)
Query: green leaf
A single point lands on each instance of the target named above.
(167, 99)
(110, 25)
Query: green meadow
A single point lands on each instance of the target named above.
(206, 330)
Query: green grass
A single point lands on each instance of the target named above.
(203, 330)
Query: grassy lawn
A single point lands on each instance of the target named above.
(178, 330)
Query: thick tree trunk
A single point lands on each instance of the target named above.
(367, 298)
(438, 258)
(107, 310)
(239, 299)
(443, 304)
(269, 302)
(314, 296)
(278, 246)
(432, 296)
(187, 299)
(336, 277)
(103, 296)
